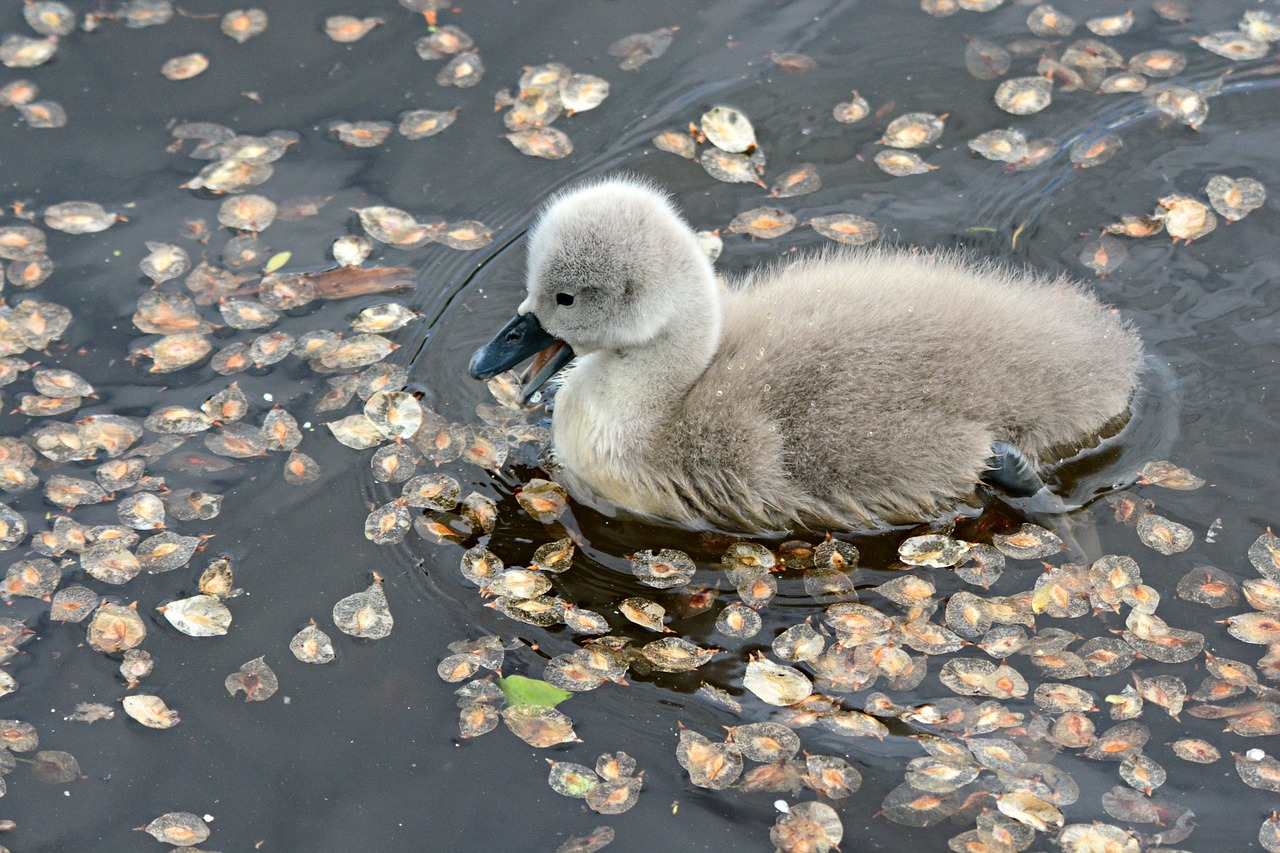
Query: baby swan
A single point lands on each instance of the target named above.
(845, 389)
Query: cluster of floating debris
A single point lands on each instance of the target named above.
(985, 764)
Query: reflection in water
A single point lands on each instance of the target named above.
(133, 303)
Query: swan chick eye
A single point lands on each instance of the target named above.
(564, 298)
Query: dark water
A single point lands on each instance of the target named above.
(364, 753)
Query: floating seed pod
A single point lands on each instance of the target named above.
(198, 616)
(757, 590)
(388, 524)
(939, 775)
(676, 142)
(906, 806)
(582, 92)
(739, 621)
(811, 826)
(763, 222)
(255, 678)
(1183, 105)
(913, 130)
(17, 51)
(33, 578)
(142, 511)
(394, 463)
(845, 228)
(79, 217)
(362, 134)
(1210, 586)
(1258, 628)
(37, 405)
(431, 491)
(351, 250)
(986, 60)
(1006, 146)
(247, 212)
(115, 628)
(852, 111)
(181, 829)
(542, 611)
(22, 243)
(801, 180)
(16, 93)
(13, 528)
(1233, 198)
(570, 672)
(1258, 770)
(730, 168)
(1029, 542)
(185, 67)
(636, 49)
(29, 274)
(1119, 742)
(645, 613)
(466, 235)
(1104, 255)
(49, 18)
(1269, 832)
(831, 776)
(1135, 226)
(539, 726)
(69, 492)
(444, 41)
(1111, 25)
(346, 28)
(799, 643)
(396, 414)
(357, 351)
(774, 684)
(253, 149)
(1161, 534)
(792, 63)
(902, 163)
(1047, 21)
(244, 24)
(311, 645)
(1195, 750)
(728, 129)
(1024, 95)
(665, 569)
(932, 550)
(571, 780)
(464, 70)
(710, 765)
(1125, 82)
(147, 13)
(280, 430)
(557, 556)
(1169, 476)
(544, 500)
(1236, 46)
(1094, 152)
(545, 142)
(419, 124)
(365, 614)
(43, 114)
(229, 176)
(1158, 63)
(1029, 810)
(300, 469)
(165, 552)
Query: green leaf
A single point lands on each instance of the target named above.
(524, 692)
(276, 261)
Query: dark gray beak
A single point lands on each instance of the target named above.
(518, 340)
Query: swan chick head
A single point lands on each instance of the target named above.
(612, 264)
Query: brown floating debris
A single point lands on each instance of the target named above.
(256, 679)
(635, 50)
